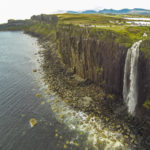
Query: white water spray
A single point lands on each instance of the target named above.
(130, 87)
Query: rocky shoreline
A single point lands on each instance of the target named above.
(83, 94)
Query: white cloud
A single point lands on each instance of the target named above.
(21, 9)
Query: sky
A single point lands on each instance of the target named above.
(24, 9)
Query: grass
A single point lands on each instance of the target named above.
(101, 26)
(94, 19)
(145, 48)
(114, 23)
(120, 34)
(147, 104)
(12, 28)
(42, 30)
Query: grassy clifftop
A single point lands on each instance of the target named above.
(112, 26)
(115, 23)
(98, 26)
(95, 19)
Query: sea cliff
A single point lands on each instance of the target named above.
(85, 65)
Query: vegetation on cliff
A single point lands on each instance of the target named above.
(42, 30)
(115, 23)
(147, 104)
(91, 24)
(145, 48)
(88, 19)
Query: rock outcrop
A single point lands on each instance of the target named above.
(93, 56)
(45, 18)
(144, 72)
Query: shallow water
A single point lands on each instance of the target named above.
(18, 103)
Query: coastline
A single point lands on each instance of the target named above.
(84, 104)
(84, 96)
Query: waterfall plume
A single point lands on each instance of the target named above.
(130, 86)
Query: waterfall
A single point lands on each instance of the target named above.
(130, 87)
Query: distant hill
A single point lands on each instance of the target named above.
(138, 11)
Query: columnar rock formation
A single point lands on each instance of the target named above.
(101, 61)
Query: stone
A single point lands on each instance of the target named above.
(33, 122)
(126, 137)
(118, 126)
(61, 116)
(65, 146)
(34, 70)
(86, 101)
(67, 142)
(42, 103)
(38, 95)
(78, 78)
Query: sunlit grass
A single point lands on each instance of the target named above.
(95, 19)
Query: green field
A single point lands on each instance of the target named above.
(115, 23)
(95, 19)
(112, 26)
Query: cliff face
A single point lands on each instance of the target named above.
(95, 54)
(45, 18)
(101, 61)
(144, 72)
(98, 57)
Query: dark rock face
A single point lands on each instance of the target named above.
(143, 81)
(101, 61)
(144, 76)
(46, 18)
